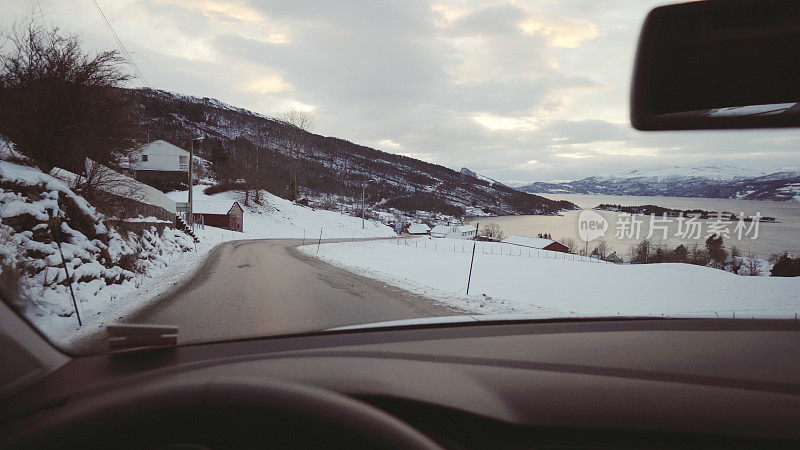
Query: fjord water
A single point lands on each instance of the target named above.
(772, 237)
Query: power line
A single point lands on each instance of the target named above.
(121, 45)
(41, 13)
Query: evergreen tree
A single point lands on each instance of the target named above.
(786, 266)
(681, 253)
(716, 251)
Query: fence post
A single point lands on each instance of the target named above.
(320, 239)
(472, 261)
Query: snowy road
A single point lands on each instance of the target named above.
(265, 287)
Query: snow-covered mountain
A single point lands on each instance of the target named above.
(293, 162)
(711, 171)
(468, 173)
(713, 180)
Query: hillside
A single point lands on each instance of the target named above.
(237, 142)
(710, 181)
(47, 226)
(117, 266)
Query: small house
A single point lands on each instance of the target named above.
(440, 231)
(159, 156)
(418, 229)
(161, 165)
(454, 231)
(462, 232)
(220, 214)
(536, 242)
(614, 258)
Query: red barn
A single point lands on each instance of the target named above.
(220, 214)
(537, 243)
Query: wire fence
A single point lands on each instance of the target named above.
(495, 248)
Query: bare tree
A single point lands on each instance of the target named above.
(735, 262)
(295, 142)
(569, 243)
(247, 158)
(699, 256)
(642, 252)
(492, 231)
(752, 266)
(299, 118)
(60, 105)
(601, 250)
(110, 191)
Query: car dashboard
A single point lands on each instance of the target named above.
(622, 383)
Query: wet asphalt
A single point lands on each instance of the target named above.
(266, 287)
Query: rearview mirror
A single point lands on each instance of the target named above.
(717, 65)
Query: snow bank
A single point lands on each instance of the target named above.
(110, 273)
(281, 218)
(166, 269)
(548, 287)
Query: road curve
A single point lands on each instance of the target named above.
(266, 287)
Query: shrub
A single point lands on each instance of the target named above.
(223, 187)
(716, 251)
(786, 266)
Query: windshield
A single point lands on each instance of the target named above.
(241, 169)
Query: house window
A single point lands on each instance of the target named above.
(183, 159)
(144, 158)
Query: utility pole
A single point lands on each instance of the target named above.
(363, 188)
(191, 179)
(191, 166)
(472, 261)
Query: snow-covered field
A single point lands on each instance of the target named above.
(280, 218)
(547, 287)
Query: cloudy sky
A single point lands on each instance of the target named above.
(518, 90)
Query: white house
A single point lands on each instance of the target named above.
(440, 231)
(160, 156)
(462, 232)
(453, 231)
(418, 228)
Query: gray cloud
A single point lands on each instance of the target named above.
(522, 90)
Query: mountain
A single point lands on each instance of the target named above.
(711, 181)
(245, 148)
(468, 173)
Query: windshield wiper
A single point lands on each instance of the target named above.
(134, 336)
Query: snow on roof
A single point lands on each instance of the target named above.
(212, 206)
(527, 241)
(441, 229)
(125, 186)
(160, 147)
(464, 228)
(418, 228)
